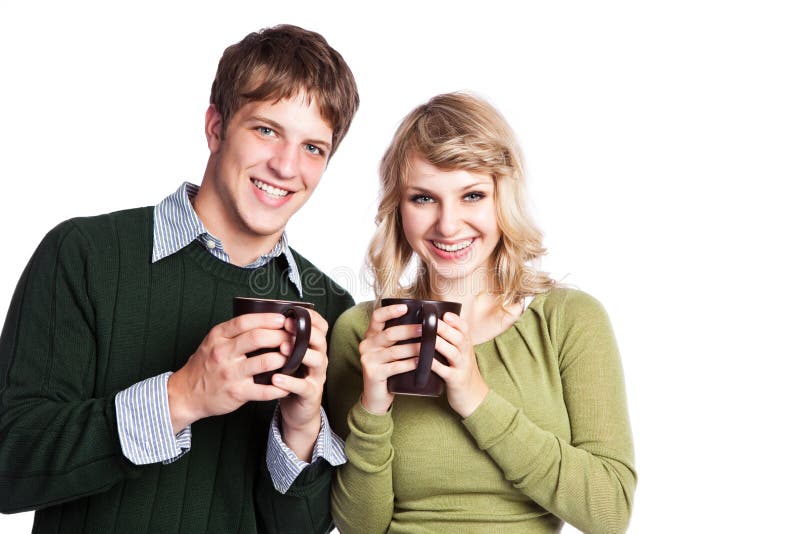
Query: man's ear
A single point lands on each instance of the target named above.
(213, 128)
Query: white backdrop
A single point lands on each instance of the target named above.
(662, 145)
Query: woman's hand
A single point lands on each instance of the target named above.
(466, 388)
(382, 358)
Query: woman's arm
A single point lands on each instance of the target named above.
(588, 482)
(362, 498)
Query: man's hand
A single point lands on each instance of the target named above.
(301, 411)
(218, 377)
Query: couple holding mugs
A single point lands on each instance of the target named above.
(479, 396)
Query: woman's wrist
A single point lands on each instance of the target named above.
(468, 405)
(375, 407)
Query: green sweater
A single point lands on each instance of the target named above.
(550, 442)
(92, 316)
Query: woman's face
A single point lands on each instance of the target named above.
(449, 220)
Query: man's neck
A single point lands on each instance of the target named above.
(241, 246)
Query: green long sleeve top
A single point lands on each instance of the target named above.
(91, 316)
(550, 443)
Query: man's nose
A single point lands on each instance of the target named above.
(284, 161)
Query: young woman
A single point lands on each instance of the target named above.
(533, 428)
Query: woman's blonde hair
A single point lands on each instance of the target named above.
(458, 131)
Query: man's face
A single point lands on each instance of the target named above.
(265, 167)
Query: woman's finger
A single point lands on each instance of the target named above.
(381, 315)
(441, 369)
(448, 350)
(450, 332)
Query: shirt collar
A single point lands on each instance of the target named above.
(176, 225)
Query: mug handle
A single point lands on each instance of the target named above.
(430, 322)
(303, 335)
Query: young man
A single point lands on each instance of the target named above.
(96, 431)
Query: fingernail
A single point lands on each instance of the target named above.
(278, 379)
(401, 308)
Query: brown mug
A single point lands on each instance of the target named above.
(297, 310)
(427, 312)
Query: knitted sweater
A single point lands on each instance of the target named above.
(550, 443)
(91, 316)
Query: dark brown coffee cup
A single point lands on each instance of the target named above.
(426, 312)
(297, 310)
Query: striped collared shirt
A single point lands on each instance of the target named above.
(143, 418)
(176, 224)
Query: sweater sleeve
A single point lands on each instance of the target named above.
(362, 497)
(305, 506)
(589, 481)
(58, 441)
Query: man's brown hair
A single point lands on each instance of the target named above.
(282, 62)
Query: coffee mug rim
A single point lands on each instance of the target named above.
(279, 301)
(391, 301)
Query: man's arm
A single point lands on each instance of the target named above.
(58, 442)
(293, 484)
(59, 439)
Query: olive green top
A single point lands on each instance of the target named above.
(550, 443)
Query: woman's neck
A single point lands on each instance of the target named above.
(477, 304)
(481, 309)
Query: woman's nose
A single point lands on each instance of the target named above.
(449, 221)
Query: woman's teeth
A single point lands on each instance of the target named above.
(453, 248)
(272, 191)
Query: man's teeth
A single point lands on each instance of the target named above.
(454, 247)
(272, 191)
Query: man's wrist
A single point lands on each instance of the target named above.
(283, 464)
(144, 426)
(180, 412)
(301, 438)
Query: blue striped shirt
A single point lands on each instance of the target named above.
(143, 418)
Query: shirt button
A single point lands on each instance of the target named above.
(210, 244)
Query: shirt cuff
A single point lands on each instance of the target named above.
(144, 424)
(283, 464)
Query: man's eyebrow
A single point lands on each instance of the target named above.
(269, 122)
(321, 142)
(278, 126)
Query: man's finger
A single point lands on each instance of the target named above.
(260, 338)
(250, 321)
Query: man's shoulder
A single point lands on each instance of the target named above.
(311, 276)
(330, 297)
(134, 218)
(101, 231)
(116, 222)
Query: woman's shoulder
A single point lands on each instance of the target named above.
(566, 303)
(355, 319)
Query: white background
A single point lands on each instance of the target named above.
(662, 148)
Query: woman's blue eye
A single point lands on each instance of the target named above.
(474, 197)
(421, 199)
